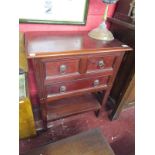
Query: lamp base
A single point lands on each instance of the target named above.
(101, 33)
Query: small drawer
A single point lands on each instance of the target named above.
(100, 63)
(76, 85)
(62, 67)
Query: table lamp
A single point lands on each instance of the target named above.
(101, 32)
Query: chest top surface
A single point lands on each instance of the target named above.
(45, 44)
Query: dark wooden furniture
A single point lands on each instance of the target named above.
(69, 67)
(91, 142)
(123, 28)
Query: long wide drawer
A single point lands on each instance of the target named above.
(64, 87)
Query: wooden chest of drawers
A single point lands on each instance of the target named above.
(70, 68)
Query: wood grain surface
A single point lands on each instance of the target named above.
(45, 44)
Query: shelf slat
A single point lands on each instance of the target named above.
(73, 105)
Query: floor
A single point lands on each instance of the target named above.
(119, 133)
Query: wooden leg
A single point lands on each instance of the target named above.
(44, 122)
(104, 100)
(99, 97)
(97, 113)
(44, 114)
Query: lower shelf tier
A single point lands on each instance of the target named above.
(73, 105)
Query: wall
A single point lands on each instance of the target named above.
(95, 12)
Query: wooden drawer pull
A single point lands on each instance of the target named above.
(101, 63)
(62, 89)
(96, 83)
(63, 68)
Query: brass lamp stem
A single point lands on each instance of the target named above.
(105, 13)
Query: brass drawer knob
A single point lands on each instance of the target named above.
(96, 82)
(62, 89)
(63, 68)
(101, 63)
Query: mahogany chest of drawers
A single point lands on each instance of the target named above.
(74, 73)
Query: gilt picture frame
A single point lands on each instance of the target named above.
(53, 11)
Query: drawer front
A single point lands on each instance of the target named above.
(62, 67)
(100, 63)
(76, 85)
